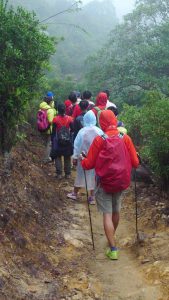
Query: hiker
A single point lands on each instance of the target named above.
(109, 103)
(78, 122)
(48, 106)
(68, 105)
(82, 143)
(62, 130)
(87, 95)
(78, 95)
(77, 110)
(101, 101)
(112, 155)
(73, 98)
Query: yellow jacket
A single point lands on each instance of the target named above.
(51, 113)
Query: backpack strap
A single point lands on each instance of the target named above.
(98, 114)
(104, 136)
(97, 108)
(121, 135)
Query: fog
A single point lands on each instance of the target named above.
(122, 6)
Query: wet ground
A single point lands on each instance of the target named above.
(46, 251)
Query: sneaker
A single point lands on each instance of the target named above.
(72, 196)
(47, 160)
(67, 176)
(112, 254)
(91, 200)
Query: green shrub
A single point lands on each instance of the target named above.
(149, 128)
(25, 52)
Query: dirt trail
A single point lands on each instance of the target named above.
(46, 251)
(121, 279)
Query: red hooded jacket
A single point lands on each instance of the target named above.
(101, 101)
(108, 123)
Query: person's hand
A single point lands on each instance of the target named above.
(82, 155)
(139, 158)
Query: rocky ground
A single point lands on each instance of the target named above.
(46, 251)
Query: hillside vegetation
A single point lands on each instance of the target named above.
(133, 63)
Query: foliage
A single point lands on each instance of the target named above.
(84, 29)
(132, 118)
(149, 128)
(155, 129)
(62, 87)
(25, 51)
(136, 57)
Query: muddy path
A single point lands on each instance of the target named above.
(122, 279)
(125, 278)
(45, 242)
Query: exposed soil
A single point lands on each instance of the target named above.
(46, 251)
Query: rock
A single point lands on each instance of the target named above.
(76, 243)
(1, 283)
(18, 238)
(77, 234)
(156, 282)
(165, 272)
(126, 242)
(142, 174)
(78, 296)
(156, 263)
(144, 261)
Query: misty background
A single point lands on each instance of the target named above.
(122, 7)
(80, 33)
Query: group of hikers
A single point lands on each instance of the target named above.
(90, 137)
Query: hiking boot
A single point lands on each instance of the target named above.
(112, 254)
(91, 200)
(59, 176)
(72, 196)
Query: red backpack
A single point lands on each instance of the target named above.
(113, 165)
(42, 120)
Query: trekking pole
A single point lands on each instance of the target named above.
(136, 204)
(89, 211)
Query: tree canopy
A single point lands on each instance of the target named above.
(25, 52)
(136, 57)
(82, 30)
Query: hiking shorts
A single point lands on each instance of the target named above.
(108, 203)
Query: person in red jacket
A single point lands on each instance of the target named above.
(62, 120)
(68, 104)
(101, 101)
(109, 204)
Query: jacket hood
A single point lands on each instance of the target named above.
(44, 105)
(89, 119)
(101, 99)
(68, 103)
(107, 120)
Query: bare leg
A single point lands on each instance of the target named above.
(109, 228)
(115, 219)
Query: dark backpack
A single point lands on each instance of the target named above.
(64, 136)
(42, 120)
(113, 165)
